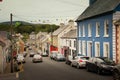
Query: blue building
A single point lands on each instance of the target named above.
(96, 29)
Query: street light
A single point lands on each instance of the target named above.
(11, 32)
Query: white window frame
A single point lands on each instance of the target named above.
(106, 23)
(79, 31)
(97, 50)
(89, 30)
(74, 43)
(79, 47)
(83, 33)
(83, 47)
(89, 52)
(97, 29)
(104, 49)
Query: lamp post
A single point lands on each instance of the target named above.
(11, 32)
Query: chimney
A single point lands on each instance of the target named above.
(92, 1)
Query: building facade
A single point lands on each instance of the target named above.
(117, 24)
(96, 31)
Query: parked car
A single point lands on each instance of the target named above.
(53, 54)
(100, 65)
(116, 72)
(32, 53)
(37, 58)
(24, 53)
(69, 58)
(44, 54)
(20, 58)
(40, 52)
(79, 61)
(59, 57)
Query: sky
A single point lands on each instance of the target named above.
(42, 11)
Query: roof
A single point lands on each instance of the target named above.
(71, 34)
(99, 7)
(56, 32)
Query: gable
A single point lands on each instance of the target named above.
(117, 8)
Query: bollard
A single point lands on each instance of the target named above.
(17, 75)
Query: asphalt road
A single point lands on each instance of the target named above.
(53, 70)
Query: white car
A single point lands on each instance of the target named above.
(20, 58)
(44, 54)
(37, 58)
(79, 61)
(53, 54)
(40, 52)
(60, 57)
(32, 53)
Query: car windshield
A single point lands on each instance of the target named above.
(59, 55)
(80, 55)
(107, 61)
(37, 56)
(85, 58)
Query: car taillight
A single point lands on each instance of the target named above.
(80, 60)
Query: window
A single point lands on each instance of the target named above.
(97, 49)
(89, 48)
(79, 46)
(70, 43)
(74, 44)
(83, 48)
(79, 31)
(70, 51)
(83, 31)
(106, 28)
(106, 49)
(97, 29)
(89, 30)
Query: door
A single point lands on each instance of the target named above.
(89, 53)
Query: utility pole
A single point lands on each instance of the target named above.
(11, 32)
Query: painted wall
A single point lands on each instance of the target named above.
(93, 38)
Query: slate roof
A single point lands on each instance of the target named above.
(71, 34)
(99, 7)
(59, 30)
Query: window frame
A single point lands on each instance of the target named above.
(97, 29)
(97, 51)
(104, 49)
(106, 28)
(89, 30)
(83, 32)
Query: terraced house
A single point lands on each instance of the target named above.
(96, 29)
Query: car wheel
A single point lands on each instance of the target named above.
(71, 65)
(116, 75)
(66, 62)
(98, 71)
(78, 67)
(87, 68)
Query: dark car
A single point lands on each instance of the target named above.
(53, 54)
(59, 57)
(116, 72)
(100, 65)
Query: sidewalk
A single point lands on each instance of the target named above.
(8, 68)
(11, 76)
(8, 76)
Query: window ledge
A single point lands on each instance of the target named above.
(106, 36)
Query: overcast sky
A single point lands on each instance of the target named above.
(42, 11)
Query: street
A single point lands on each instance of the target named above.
(53, 70)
